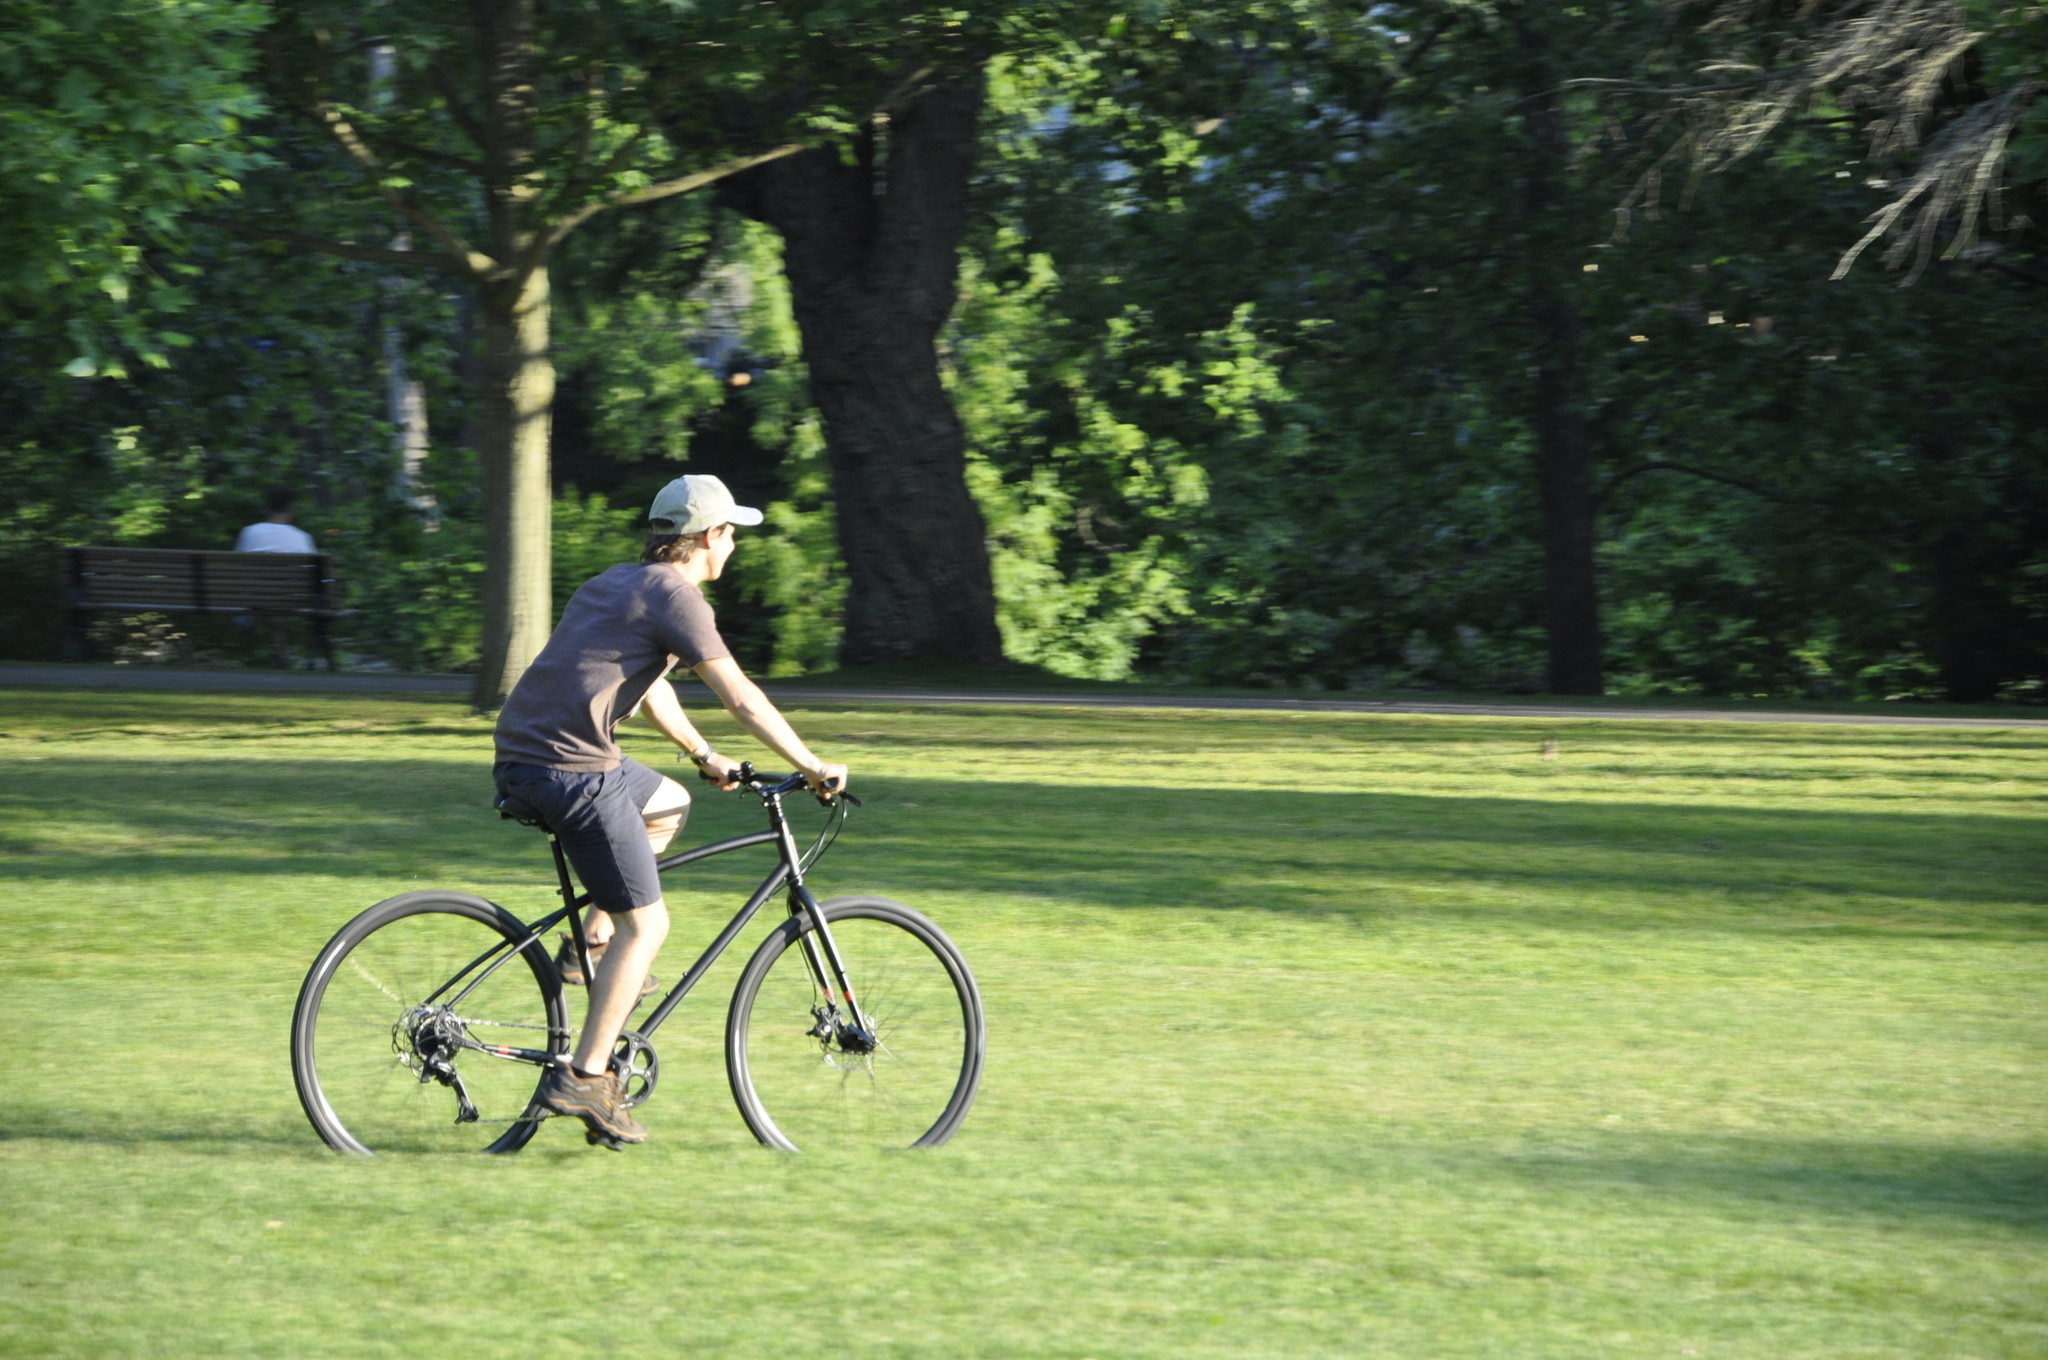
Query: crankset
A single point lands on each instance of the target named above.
(637, 1066)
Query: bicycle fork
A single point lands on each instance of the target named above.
(852, 1032)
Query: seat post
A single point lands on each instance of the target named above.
(569, 901)
(568, 888)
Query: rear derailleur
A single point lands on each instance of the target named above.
(426, 1039)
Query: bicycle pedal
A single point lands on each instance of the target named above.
(596, 1139)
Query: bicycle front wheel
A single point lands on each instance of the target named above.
(806, 1073)
(393, 1038)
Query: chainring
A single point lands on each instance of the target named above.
(638, 1067)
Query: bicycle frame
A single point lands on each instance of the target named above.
(827, 969)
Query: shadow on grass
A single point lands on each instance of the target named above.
(1899, 1181)
(90, 1129)
(1137, 732)
(1782, 1177)
(1368, 857)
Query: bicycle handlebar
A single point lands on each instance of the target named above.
(776, 785)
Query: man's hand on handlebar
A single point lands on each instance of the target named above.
(825, 784)
(828, 781)
(720, 770)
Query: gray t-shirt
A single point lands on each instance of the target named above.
(622, 631)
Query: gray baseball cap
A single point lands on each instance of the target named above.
(696, 503)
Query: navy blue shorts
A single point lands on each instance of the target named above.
(597, 819)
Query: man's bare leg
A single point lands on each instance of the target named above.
(630, 941)
(597, 928)
(615, 991)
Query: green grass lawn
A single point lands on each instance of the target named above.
(1311, 1035)
(1013, 678)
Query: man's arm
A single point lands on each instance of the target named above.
(745, 701)
(664, 713)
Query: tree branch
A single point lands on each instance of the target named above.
(657, 102)
(348, 250)
(1657, 465)
(399, 146)
(587, 125)
(655, 192)
(1415, 52)
(2012, 271)
(905, 89)
(611, 163)
(1665, 91)
(466, 257)
(464, 117)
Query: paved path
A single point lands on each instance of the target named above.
(170, 677)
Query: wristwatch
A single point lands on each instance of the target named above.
(699, 756)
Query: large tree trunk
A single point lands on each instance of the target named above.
(405, 397)
(1972, 621)
(871, 250)
(1564, 451)
(1564, 483)
(518, 392)
(518, 389)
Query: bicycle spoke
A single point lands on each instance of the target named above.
(356, 964)
(382, 1060)
(890, 1087)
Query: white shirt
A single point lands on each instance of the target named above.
(265, 536)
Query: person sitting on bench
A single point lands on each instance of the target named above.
(275, 532)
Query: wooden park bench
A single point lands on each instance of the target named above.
(174, 581)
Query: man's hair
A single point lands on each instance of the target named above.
(279, 499)
(664, 546)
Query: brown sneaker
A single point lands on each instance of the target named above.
(571, 969)
(594, 1100)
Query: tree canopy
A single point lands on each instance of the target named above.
(116, 117)
(1479, 345)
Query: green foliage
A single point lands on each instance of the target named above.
(1070, 597)
(788, 569)
(115, 117)
(1342, 342)
(421, 608)
(1243, 344)
(284, 386)
(590, 536)
(419, 592)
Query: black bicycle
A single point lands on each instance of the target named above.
(429, 1021)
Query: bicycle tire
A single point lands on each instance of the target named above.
(919, 1080)
(350, 1029)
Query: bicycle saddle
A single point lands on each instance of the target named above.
(520, 811)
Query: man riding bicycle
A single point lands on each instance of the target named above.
(621, 633)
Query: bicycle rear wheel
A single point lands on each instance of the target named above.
(805, 1076)
(382, 1039)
